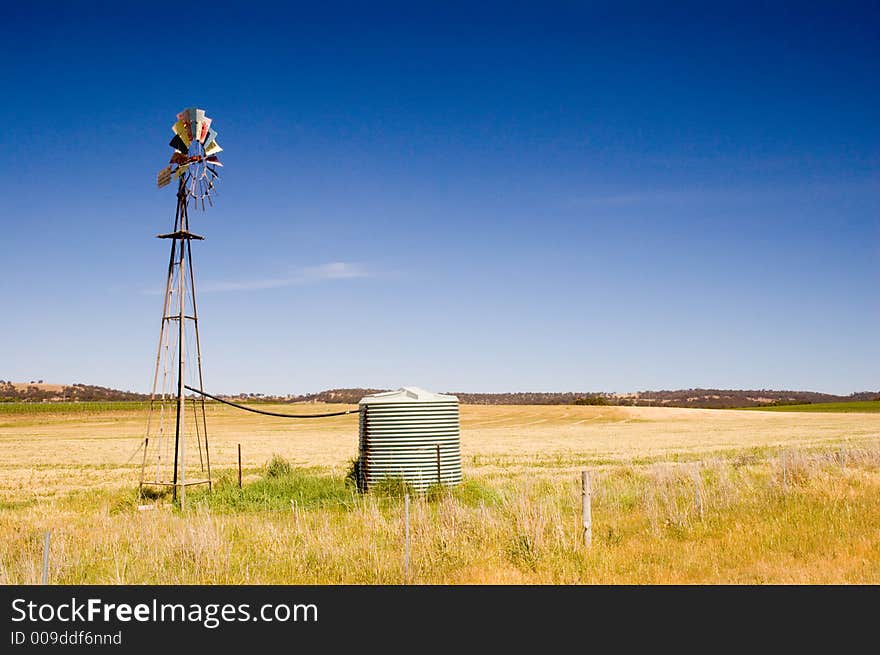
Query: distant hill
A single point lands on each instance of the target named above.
(38, 391)
(347, 396)
(731, 398)
(703, 398)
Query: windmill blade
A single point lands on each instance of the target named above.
(178, 144)
(206, 128)
(164, 177)
(181, 129)
(187, 127)
(214, 161)
(213, 148)
(192, 118)
(198, 125)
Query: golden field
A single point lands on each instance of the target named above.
(680, 496)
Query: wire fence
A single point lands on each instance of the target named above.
(667, 497)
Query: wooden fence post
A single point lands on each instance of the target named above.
(143, 470)
(239, 466)
(438, 465)
(586, 508)
(45, 579)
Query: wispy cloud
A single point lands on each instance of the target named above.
(307, 275)
(336, 271)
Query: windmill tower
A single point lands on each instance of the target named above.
(176, 445)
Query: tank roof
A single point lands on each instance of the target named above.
(407, 395)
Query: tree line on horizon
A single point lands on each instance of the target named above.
(76, 392)
(697, 398)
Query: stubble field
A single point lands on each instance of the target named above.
(679, 496)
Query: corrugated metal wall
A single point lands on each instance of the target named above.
(401, 439)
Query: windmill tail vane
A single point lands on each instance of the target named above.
(194, 162)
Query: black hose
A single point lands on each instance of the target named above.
(260, 411)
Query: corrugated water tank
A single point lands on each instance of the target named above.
(411, 434)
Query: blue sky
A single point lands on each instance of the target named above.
(520, 196)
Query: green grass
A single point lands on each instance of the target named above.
(470, 493)
(855, 406)
(85, 407)
(284, 487)
(281, 488)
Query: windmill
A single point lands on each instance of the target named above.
(175, 422)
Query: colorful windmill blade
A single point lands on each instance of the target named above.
(192, 118)
(205, 128)
(194, 160)
(178, 144)
(199, 125)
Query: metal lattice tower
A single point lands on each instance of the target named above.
(177, 428)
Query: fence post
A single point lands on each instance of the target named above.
(406, 539)
(239, 466)
(143, 469)
(586, 508)
(45, 580)
(698, 496)
(438, 465)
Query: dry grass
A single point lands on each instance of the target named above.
(785, 498)
(42, 386)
